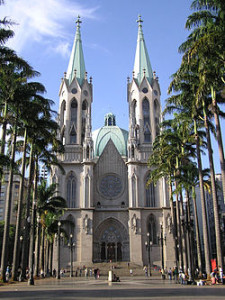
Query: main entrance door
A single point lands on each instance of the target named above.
(111, 242)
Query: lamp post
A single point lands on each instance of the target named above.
(162, 239)
(71, 245)
(58, 250)
(31, 249)
(148, 245)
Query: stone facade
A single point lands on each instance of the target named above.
(104, 181)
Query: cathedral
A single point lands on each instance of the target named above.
(112, 215)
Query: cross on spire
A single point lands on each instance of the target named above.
(78, 21)
(139, 21)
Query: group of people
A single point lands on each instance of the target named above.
(217, 276)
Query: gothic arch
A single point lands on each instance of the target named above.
(146, 120)
(71, 190)
(111, 241)
(133, 110)
(73, 110)
(156, 114)
(151, 228)
(150, 199)
(62, 113)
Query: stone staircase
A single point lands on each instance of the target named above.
(121, 269)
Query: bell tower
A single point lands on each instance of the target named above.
(76, 185)
(75, 102)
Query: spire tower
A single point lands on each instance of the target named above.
(142, 65)
(76, 67)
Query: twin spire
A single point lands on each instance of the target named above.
(76, 64)
(142, 65)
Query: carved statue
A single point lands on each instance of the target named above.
(86, 224)
(134, 223)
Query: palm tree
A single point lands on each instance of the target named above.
(50, 207)
(29, 117)
(207, 43)
(185, 84)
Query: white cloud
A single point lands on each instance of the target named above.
(43, 21)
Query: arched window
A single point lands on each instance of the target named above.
(62, 113)
(84, 119)
(73, 135)
(133, 111)
(150, 194)
(151, 229)
(146, 120)
(156, 114)
(71, 191)
(73, 111)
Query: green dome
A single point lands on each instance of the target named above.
(102, 135)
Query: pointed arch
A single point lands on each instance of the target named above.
(150, 200)
(71, 190)
(151, 229)
(73, 135)
(156, 114)
(73, 111)
(84, 119)
(134, 111)
(62, 113)
(146, 120)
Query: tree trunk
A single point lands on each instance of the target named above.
(179, 231)
(203, 204)
(174, 222)
(4, 258)
(184, 235)
(16, 249)
(37, 251)
(214, 195)
(199, 257)
(27, 217)
(219, 140)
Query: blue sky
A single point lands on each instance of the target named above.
(45, 31)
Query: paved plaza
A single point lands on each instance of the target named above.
(129, 288)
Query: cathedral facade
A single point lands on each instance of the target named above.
(112, 212)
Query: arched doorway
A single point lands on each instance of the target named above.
(111, 241)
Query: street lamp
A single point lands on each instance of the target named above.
(58, 248)
(162, 239)
(71, 245)
(148, 245)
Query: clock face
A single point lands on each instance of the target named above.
(110, 186)
(145, 90)
(85, 93)
(155, 92)
(74, 91)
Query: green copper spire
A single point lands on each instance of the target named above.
(142, 62)
(76, 65)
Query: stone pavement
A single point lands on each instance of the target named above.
(135, 288)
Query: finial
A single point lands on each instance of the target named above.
(86, 75)
(128, 79)
(139, 21)
(144, 71)
(133, 73)
(75, 72)
(154, 74)
(90, 79)
(78, 21)
(64, 74)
